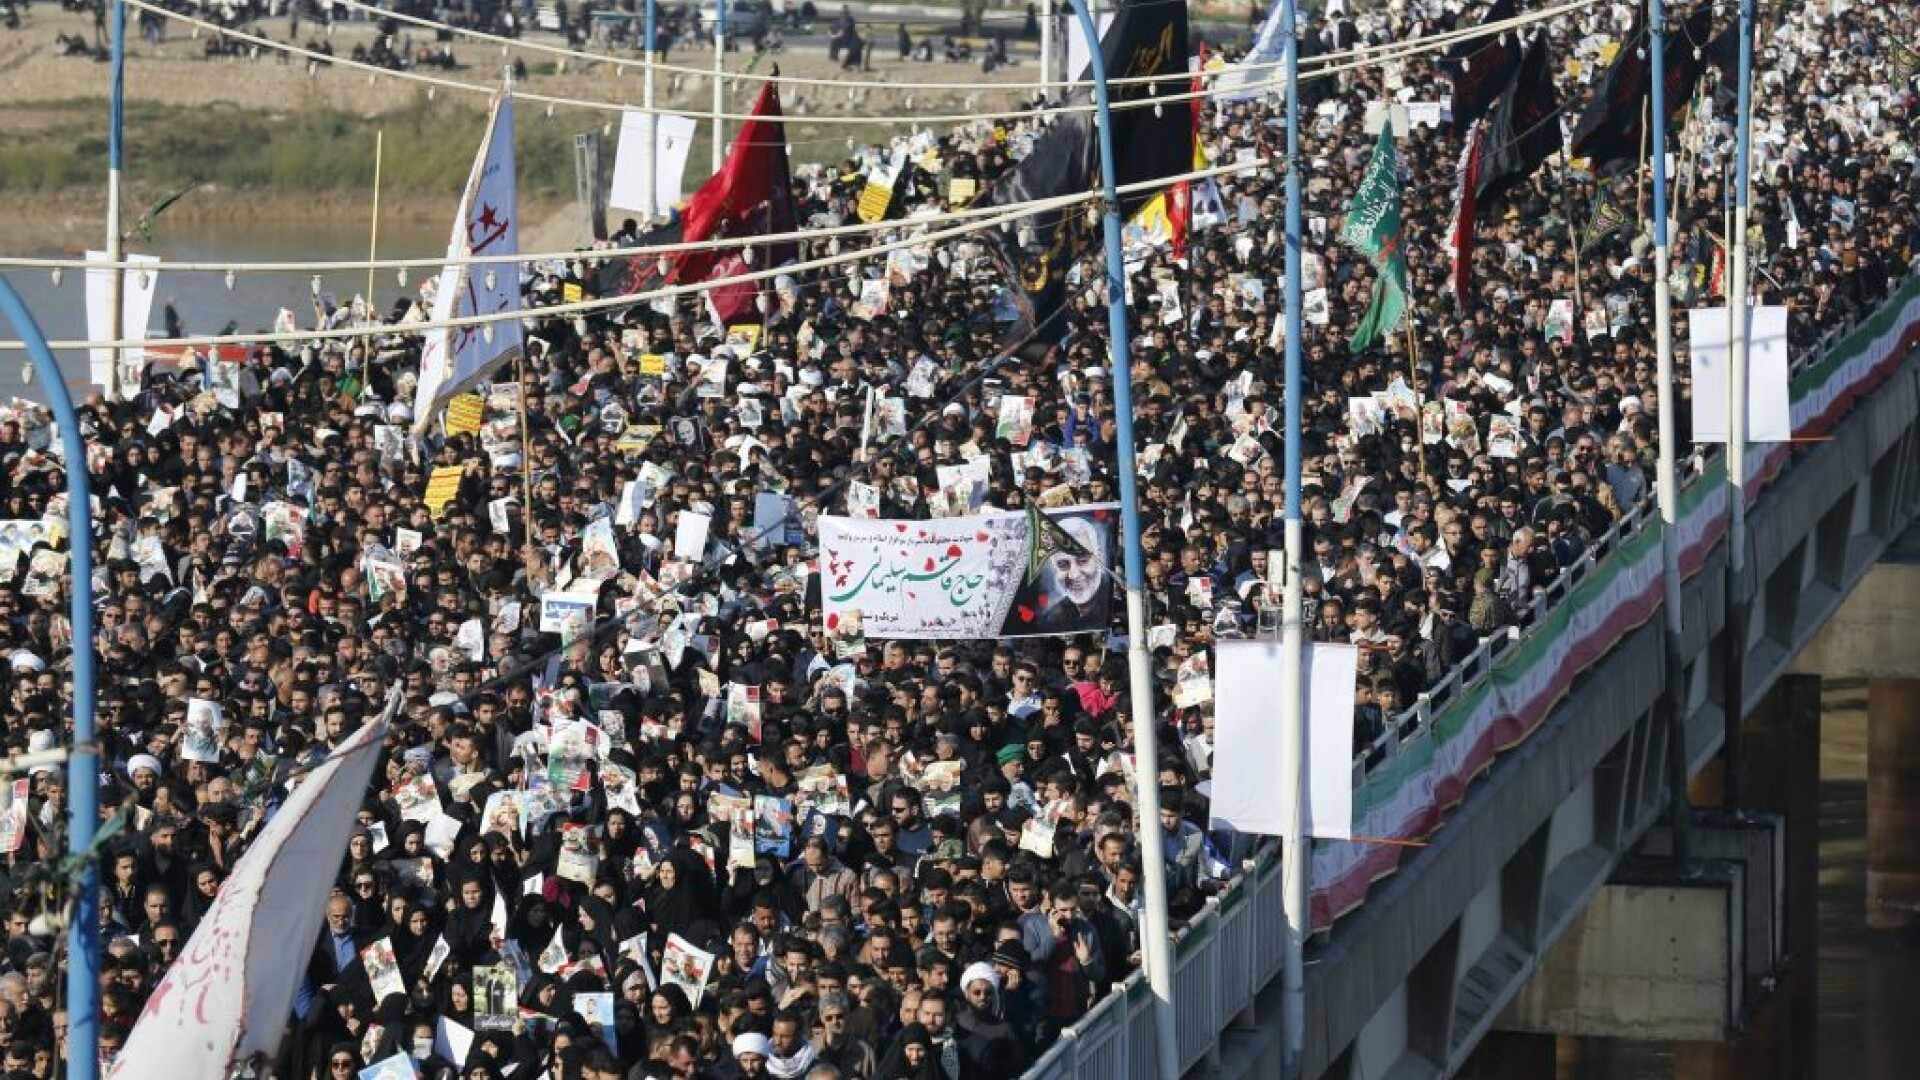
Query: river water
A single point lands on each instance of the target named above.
(204, 300)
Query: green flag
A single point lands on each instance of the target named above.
(1607, 217)
(1904, 62)
(1375, 229)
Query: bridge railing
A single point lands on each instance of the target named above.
(1235, 946)
(1231, 950)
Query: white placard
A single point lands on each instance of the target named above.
(1769, 406)
(1248, 753)
(690, 535)
(633, 158)
(136, 307)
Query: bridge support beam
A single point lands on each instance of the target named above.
(1893, 803)
(1780, 775)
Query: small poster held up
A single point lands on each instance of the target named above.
(686, 966)
(383, 969)
(772, 826)
(398, 1067)
(496, 998)
(577, 860)
(1014, 419)
(200, 739)
(418, 799)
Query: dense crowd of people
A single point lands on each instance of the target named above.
(712, 836)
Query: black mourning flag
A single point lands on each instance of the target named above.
(1524, 129)
(1146, 38)
(1480, 67)
(623, 275)
(1610, 129)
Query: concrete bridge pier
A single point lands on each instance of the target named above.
(1893, 803)
(1704, 969)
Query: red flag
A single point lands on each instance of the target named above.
(750, 196)
(1180, 198)
(1460, 235)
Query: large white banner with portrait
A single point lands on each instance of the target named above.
(994, 575)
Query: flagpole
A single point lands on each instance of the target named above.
(1737, 599)
(1573, 231)
(373, 253)
(1156, 945)
(1413, 383)
(719, 94)
(116, 277)
(1666, 478)
(649, 193)
(1294, 879)
(526, 450)
(83, 760)
(1640, 193)
(1046, 49)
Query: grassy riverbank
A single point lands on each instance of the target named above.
(429, 150)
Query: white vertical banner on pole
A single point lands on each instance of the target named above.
(1769, 401)
(1247, 750)
(633, 159)
(1079, 53)
(136, 308)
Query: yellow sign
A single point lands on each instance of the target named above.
(464, 414)
(744, 336)
(637, 437)
(442, 485)
(874, 201)
(653, 365)
(961, 190)
(571, 292)
(1608, 51)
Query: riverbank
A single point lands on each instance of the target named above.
(272, 139)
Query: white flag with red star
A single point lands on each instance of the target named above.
(453, 360)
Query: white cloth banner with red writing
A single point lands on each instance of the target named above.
(230, 993)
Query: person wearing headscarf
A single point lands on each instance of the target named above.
(912, 1057)
(683, 897)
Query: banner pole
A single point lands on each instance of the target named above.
(1413, 383)
(1155, 937)
(1666, 481)
(116, 277)
(1738, 600)
(1295, 883)
(1046, 49)
(651, 195)
(1640, 193)
(526, 451)
(373, 254)
(719, 93)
